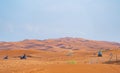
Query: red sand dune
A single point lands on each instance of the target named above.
(65, 55)
(60, 44)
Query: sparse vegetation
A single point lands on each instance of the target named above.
(112, 62)
(72, 62)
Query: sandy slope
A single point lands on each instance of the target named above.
(57, 62)
(32, 66)
(83, 68)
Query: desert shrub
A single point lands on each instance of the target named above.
(69, 54)
(6, 57)
(112, 62)
(72, 62)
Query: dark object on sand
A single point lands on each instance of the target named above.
(6, 57)
(23, 57)
(99, 53)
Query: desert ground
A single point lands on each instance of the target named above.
(77, 61)
(64, 55)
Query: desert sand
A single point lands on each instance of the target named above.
(57, 62)
(15, 66)
(65, 55)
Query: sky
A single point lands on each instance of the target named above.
(45, 19)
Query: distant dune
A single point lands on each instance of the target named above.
(66, 43)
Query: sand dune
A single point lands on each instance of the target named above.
(65, 55)
(60, 44)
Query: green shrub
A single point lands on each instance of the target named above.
(72, 62)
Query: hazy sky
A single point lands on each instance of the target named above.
(43, 19)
